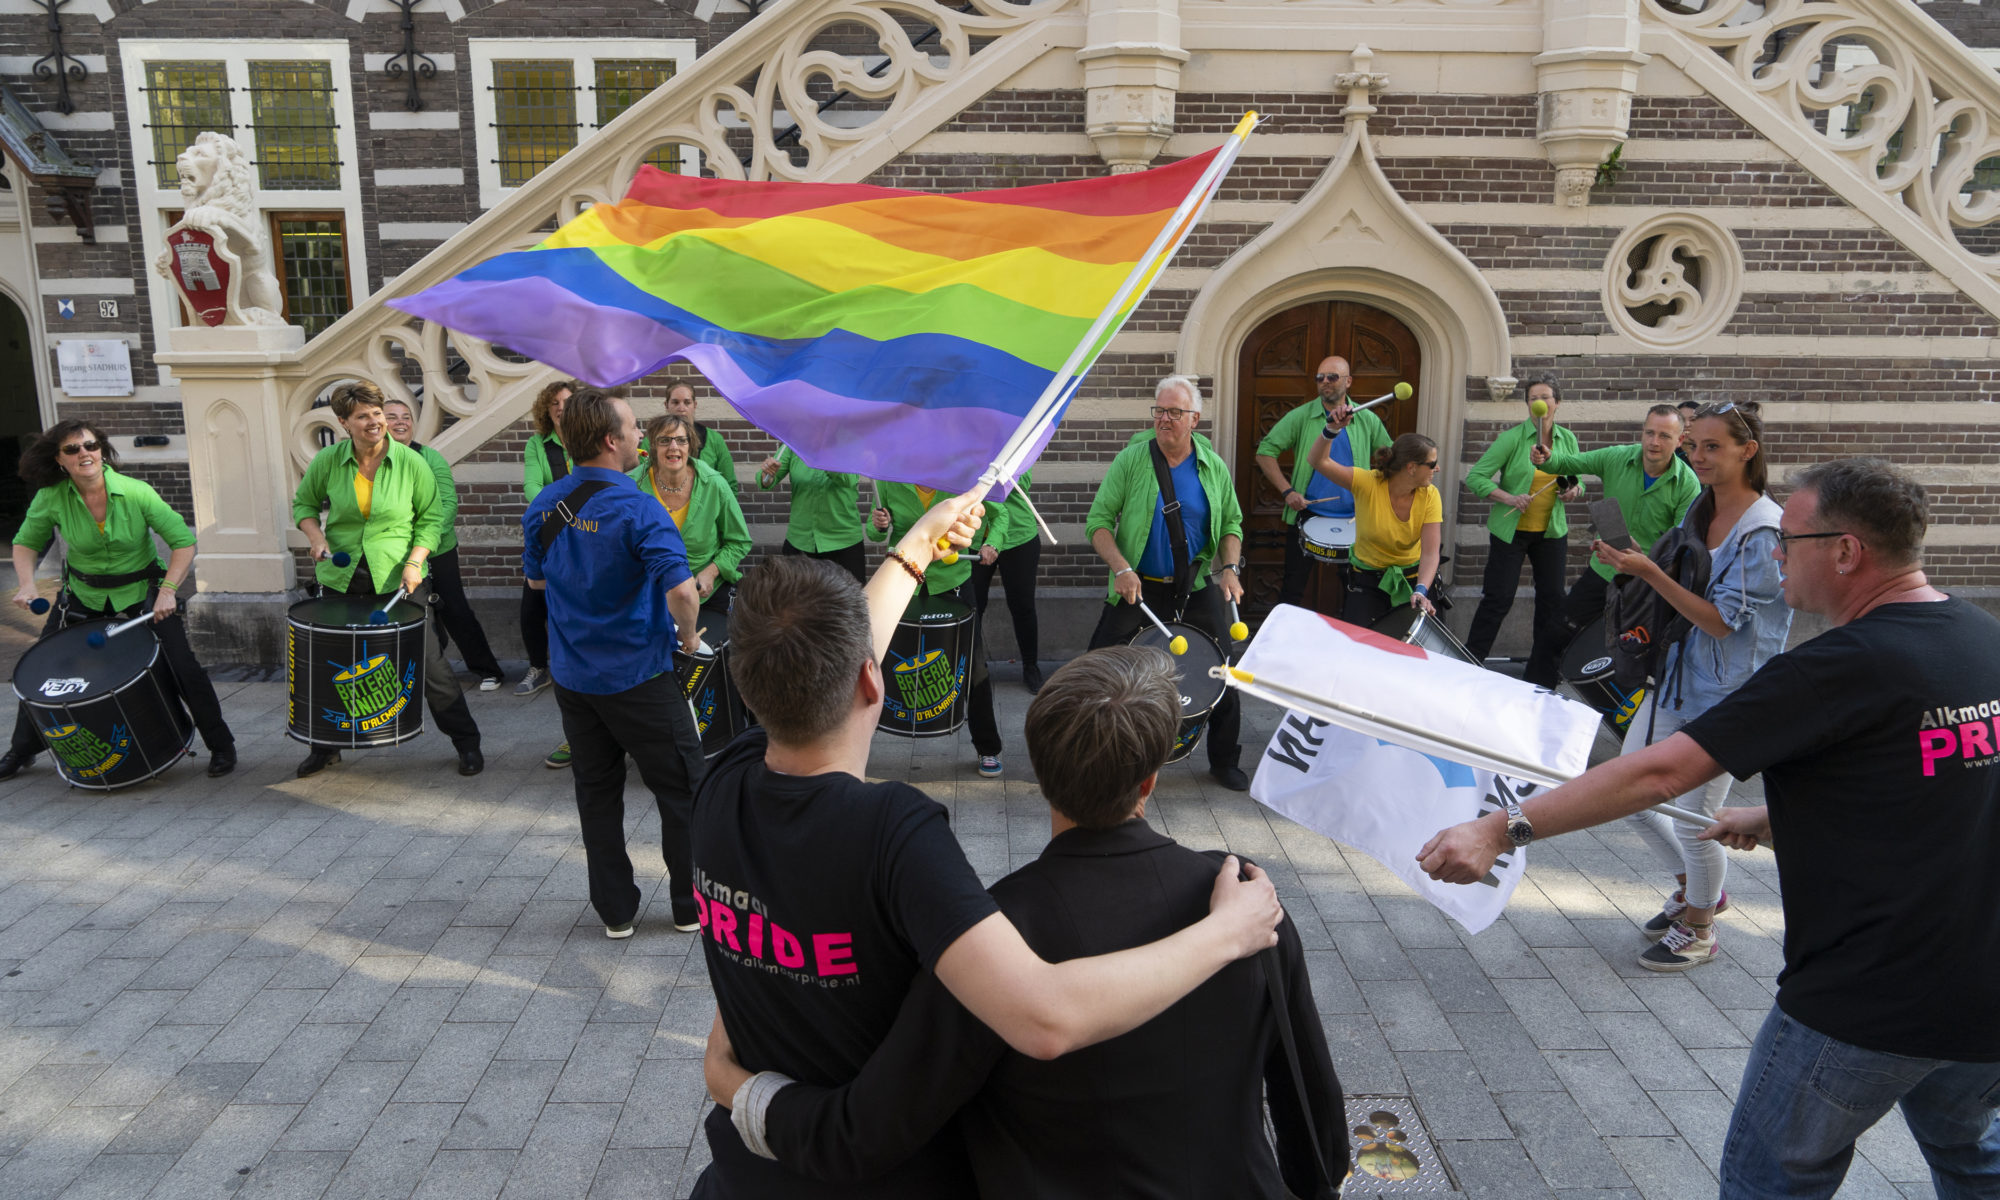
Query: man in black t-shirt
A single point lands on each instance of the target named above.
(822, 896)
(1879, 743)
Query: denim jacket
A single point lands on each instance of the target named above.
(1745, 587)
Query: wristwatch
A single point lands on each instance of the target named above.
(1520, 831)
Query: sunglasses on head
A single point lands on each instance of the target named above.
(76, 448)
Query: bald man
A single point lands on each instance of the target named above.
(1307, 493)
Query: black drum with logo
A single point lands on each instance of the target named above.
(1586, 676)
(110, 715)
(927, 677)
(351, 684)
(718, 711)
(1200, 692)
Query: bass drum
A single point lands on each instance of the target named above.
(1586, 675)
(110, 715)
(1416, 627)
(1200, 692)
(718, 711)
(927, 677)
(351, 684)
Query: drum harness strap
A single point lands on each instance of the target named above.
(1170, 508)
(153, 573)
(567, 508)
(558, 461)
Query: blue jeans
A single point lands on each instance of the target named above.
(1806, 1097)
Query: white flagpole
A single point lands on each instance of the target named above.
(1328, 709)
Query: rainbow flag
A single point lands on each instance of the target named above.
(895, 334)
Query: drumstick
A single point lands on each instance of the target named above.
(1175, 642)
(1397, 393)
(381, 615)
(97, 637)
(1238, 631)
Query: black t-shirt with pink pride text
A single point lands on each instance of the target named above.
(1879, 742)
(821, 898)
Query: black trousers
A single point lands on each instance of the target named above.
(1205, 611)
(1584, 604)
(190, 681)
(1017, 568)
(535, 626)
(1366, 602)
(1547, 556)
(653, 723)
(979, 705)
(852, 559)
(1299, 568)
(455, 618)
(449, 711)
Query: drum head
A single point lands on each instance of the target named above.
(936, 610)
(64, 668)
(1199, 690)
(1586, 659)
(1401, 622)
(337, 610)
(1329, 531)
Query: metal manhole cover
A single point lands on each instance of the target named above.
(1393, 1154)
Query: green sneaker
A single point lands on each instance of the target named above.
(558, 758)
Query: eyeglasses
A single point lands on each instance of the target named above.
(76, 448)
(1171, 414)
(672, 441)
(1785, 539)
(1328, 378)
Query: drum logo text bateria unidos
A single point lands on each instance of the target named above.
(701, 692)
(86, 754)
(63, 687)
(926, 685)
(371, 691)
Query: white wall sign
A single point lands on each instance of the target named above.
(91, 367)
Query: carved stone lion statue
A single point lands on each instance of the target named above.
(220, 190)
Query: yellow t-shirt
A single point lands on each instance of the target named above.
(680, 515)
(1536, 519)
(364, 494)
(1380, 540)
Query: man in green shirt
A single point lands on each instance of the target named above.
(1307, 493)
(456, 620)
(1129, 528)
(825, 517)
(712, 450)
(1653, 488)
(382, 510)
(898, 507)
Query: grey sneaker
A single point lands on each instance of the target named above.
(1656, 928)
(1682, 949)
(534, 681)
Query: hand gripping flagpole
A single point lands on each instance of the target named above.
(1329, 709)
(1130, 295)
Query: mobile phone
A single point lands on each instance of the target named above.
(1609, 520)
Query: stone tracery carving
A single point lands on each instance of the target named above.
(1672, 280)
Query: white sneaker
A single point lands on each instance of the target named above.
(491, 683)
(534, 681)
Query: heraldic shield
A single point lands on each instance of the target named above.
(202, 271)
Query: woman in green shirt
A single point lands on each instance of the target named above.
(456, 620)
(708, 444)
(1010, 543)
(543, 461)
(382, 510)
(107, 522)
(825, 519)
(702, 507)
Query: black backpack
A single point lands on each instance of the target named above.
(1639, 624)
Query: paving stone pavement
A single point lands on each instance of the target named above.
(386, 981)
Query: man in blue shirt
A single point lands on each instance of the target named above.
(619, 590)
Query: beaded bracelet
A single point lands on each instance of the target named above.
(916, 573)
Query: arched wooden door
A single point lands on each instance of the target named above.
(1275, 375)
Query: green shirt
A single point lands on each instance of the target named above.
(905, 505)
(447, 496)
(403, 513)
(715, 531)
(1649, 511)
(1508, 455)
(1010, 522)
(826, 506)
(133, 512)
(535, 462)
(1130, 494)
(715, 452)
(1298, 429)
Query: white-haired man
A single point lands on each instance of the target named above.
(1160, 550)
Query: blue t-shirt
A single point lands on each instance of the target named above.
(1324, 497)
(1158, 560)
(608, 576)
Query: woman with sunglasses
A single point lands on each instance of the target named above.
(1398, 525)
(1738, 623)
(111, 569)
